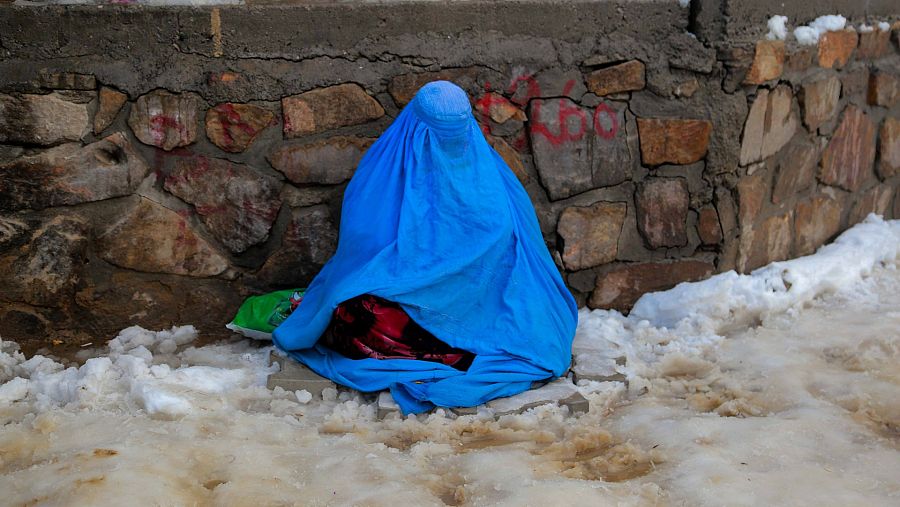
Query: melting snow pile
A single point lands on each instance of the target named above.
(800, 409)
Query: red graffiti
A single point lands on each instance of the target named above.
(160, 123)
(230, 118)
(571, 119)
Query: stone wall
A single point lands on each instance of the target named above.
(157, 165)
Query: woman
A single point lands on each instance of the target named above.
(435, 223)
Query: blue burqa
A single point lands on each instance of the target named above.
(435, 220)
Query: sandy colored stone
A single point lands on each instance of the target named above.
(628, 76)
(875, 200)
(236, 203)
(708, 227)
(328, 161)
(874, 44)
(847, 161)
(72, 174)
(770, 125)
(234, 127)
(328, 108)
(499, 108)
(751, 192)
(155, 239)
(819, 100)
(799, 59)
(816, 221)
(42, 119)
(889, 148)
(621, 287)
(165, 120)
(766, 242)
(662, 207)
(768, 62)
(110, 103)
(836, 48)
(590, 234)
(795, 171)
(673, 141)
(884, 89)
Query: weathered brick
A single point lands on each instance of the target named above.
(673, 141)
(889, 148)
(41, 119)
(848, 159)
(165, 120)
(708, 227)
(234, 127)
(816, 221)
(820, 100)
(768, 62)
(628, 76)
(328, 108)
(770, 125)
(155, 239)
(764, 243)
(621, 287)
(836, 48)
(590, 234)
(72, 174)
(329, 161)
(110, 103)
(795, 171)
(236, 203)
(884, 89)
(662, 206)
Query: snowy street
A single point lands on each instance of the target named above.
(775, 388)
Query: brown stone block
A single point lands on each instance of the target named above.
(889, 148)
(662, 206)
(884, 89)
(816, 221)
(847, 161)
(875, 200)
(328, 108)
(155, 239)
(874, 44)
(328, 161)
(795, 171)
(855, 82)
(768, 62)
(764, 243)
(673, 141)
(165, 120)
(234, 127)
(236, 203)
(111, 102)
(590, 234)
(752, 191)
(708, 227)
(621, 287)
(799, 59)
(619, 78)
(836, 48)
(770, 124)
(72, 174)
(500, 109)
(308, 242)
(511, 157)
(819, 101)
(43, 120)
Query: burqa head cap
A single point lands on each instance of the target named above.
(444, 107)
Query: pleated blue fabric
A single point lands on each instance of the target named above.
(435, 220)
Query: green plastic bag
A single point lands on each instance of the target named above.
(259, 315)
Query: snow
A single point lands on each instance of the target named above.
(776, 387)
(684, 3)
(777, 28)
(884, 26)
(809, 35)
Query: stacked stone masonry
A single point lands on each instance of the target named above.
(651, 159)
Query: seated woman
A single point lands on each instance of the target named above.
(441, 288)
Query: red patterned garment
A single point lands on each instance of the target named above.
(369, 326)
